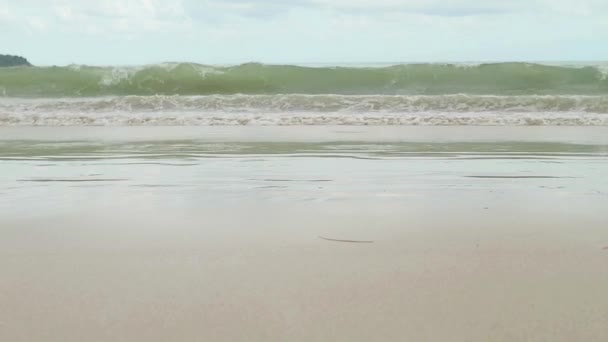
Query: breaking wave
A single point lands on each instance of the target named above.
(254, 78)
(300, 109)
(312, 103)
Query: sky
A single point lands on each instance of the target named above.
(130, 32)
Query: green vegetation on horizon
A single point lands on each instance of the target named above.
(11, 61)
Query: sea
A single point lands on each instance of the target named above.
(253, 94)
(286, 125)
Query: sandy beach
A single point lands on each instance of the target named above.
(471, 234)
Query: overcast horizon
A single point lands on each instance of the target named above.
(134, 32)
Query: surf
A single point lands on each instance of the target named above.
(262, 79)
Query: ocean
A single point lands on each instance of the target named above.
(187, 94)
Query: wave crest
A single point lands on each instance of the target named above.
(254, 78)
(313, 103)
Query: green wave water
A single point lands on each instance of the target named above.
(253, 78)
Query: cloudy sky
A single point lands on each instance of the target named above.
(104, 32)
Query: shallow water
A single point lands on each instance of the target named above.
(53, 170)
(300, 234)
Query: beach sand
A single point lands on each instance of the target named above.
(100, 245)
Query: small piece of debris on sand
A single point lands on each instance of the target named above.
(349, 241)
(605, 248)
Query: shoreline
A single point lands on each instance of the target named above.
(447, 134)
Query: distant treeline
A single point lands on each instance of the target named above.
(8, 61)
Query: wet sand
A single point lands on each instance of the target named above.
(473, 246)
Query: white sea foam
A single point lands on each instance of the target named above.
(315, 103)
(308, 110)
(295, 118)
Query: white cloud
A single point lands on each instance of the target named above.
(36, 23)
(5, 16)
(428, 7)
(266, 8)
(151, 15)
(304, 30)
(263, 8)
(102, 16)
(122, 16)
